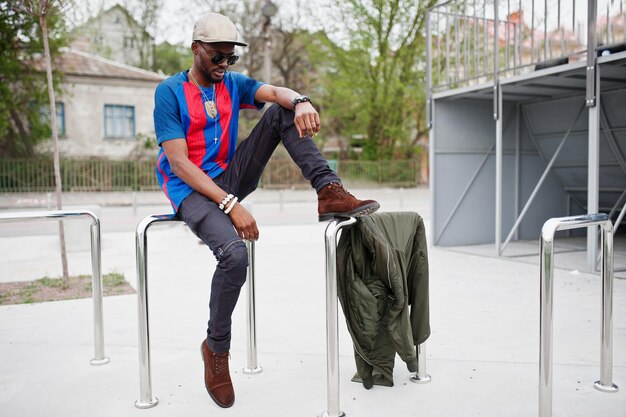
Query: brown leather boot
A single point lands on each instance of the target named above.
(217, 376)
(334, 201)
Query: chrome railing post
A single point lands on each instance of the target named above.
(332, 336)
(546, 307)
(146, 399)
(421, 376)
(252, 365)
(96, 289)
(545, 326)
(96, 265)
(605, 384)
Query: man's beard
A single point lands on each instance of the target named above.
(208, 75)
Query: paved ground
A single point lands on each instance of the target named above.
(482, 355)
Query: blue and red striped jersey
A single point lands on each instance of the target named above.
(179, 113)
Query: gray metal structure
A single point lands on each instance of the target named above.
(605, 384)
(96, 265)
(526, 117)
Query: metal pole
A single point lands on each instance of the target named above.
(497, 115)
(593, 169)
(466, 43)
(432, 145)
(421, 376)
(545, 328)
(447, 57)
(332, 337)
(546, 307)
(590, 99)
(96, 288)
(496, 42)
(507, 35)
(476, 60)
(545, 30)
(485, 42)
(518, 112)
(457, 56)
(146, 399)
(439, 47)
(532, 31)
(252, 366)
(498, 219)
(605, 384)
(96, 265)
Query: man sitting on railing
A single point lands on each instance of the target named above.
(205, 177)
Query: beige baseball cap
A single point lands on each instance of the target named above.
(215, 27)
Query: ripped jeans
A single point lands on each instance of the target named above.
(242, 176)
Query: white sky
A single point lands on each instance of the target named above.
(177, 16)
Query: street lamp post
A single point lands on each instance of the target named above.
(269, 10)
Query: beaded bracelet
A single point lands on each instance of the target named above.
(225, 201)
(230, 207)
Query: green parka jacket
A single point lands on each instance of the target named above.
(382, 273)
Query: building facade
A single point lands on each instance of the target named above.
(105, 108)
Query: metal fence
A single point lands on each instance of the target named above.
(37, 175)
(100, 175)
(529, 34)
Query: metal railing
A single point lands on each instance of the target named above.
(550, 227)
(96, 265)
(332, 328)
(37, 175)
(421, 376)
(146, 397)
(332, 332)
(467, 46)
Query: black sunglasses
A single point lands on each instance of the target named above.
(218, 58)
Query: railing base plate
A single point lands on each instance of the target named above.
(605, 388)
(98, 362)
(421, 380)
(149, 404)
(252, 371)
(325, 414)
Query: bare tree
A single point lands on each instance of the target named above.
(43, 10)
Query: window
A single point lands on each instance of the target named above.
(45, 116)
(119, 121)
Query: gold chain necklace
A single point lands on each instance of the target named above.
(209, 105)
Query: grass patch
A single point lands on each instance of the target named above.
(53, 289)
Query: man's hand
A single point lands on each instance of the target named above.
(307, 120)
(244, 223)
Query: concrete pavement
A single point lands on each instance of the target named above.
(482, 354)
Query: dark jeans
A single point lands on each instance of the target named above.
(241, 178)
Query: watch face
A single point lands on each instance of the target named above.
(300, 99)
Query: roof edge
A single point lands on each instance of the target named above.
(113, 63)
